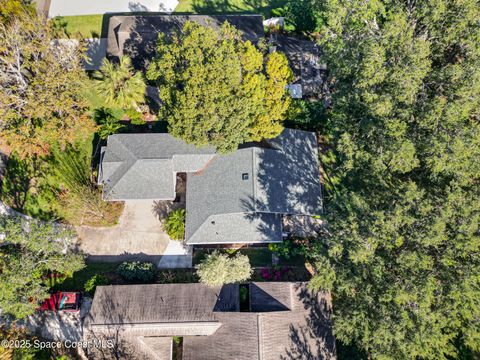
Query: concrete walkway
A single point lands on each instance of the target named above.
(89, 7)
(138, 236)
(176, 256)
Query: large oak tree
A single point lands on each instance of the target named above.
(402, 251)
(41, 83)
(29, 251)
(218, 89)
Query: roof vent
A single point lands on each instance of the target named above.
(245, 176)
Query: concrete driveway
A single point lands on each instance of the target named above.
(138, 236)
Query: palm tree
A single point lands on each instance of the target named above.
(119, 85)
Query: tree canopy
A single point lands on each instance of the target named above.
(402, 251)
(218, 269)
(119, 85)
(217, 89)
(29, 251)
(41, 82)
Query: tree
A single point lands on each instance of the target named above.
(401, 254)
(119, 85)
(30, 250)
(41, 82)
(302, 15)
(174, 224)
(9, 9)
(218, 269)
(217, 89)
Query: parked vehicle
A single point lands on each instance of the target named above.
(63, 301)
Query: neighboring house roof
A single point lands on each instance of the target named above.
(143, 166)
(286, 320)
(136, 35)
(233, 198)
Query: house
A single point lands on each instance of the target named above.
(240, 197)
(136, 35)
(281, 320)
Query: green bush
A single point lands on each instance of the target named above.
(174, 224)
(108, 120)
(136, 118)
(92, 283)
(286, 249)
(278, 12)
(137, 271)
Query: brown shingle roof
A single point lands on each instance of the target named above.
(162, 303)
(296, 324)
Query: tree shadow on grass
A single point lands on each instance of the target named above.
(24, 188)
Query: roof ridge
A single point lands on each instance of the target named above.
(122, 146)
(119, 173)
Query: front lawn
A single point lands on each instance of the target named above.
(78, 280)
(79, 27)
(228, 6)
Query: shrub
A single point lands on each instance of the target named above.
(108, 121)
(137, 271)
(92, 283)
(136, 117)
(174, 224)
(219, 269)
(278, 12)
(79, 201)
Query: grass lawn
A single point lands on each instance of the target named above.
(78, 280)
(228, 6)
(79, 27)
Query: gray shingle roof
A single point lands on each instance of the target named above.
(141, 166)
(136, 35)
(299, 329)
(233, 198)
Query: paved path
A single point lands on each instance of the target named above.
(176, 256)
(138, 236)
(89, 7)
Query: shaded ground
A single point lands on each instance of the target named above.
(61, 325)
(138, 236)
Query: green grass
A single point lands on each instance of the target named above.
(228, 6)
(78, 280)
(79, 27)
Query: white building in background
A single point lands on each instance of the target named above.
(89, 7)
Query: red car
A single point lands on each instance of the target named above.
(63, 301)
